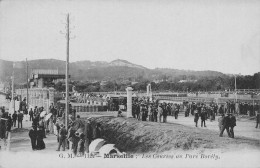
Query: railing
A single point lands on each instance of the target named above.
(88, 108)
(206, 99)
(248, 90)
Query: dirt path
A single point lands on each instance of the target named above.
(245, 127)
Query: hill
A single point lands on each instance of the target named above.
(100, 70)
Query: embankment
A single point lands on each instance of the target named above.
(134, 136)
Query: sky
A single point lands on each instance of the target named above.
(219, 35)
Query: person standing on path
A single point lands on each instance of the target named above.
(25, 112)
(177, 110)
(31, 114)
(8, 125)
(160, 112)
(232, 125)
(225, 126)
(14, 116)
(220, 121)
(20, 119)
(203, 117)
(33, 136)
(196, 117)
(39, 141)
(88, 132)
(62, 137)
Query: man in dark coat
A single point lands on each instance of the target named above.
(97, 132)
(155, 112)
(33, 136)
(62, 137)
(20, 119)
(221, 110)
(203, 116)
(14, 116)
(226, 125)
(133, 110)
(31, 114)
(232, 125)
(196, 117)
(166, 110)
(88, 132)
(3, 121)
(176, 113)
(8, 125)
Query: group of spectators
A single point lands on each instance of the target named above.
(78, 136)
(154, 111)
(7, 121)
(44, 123)
(157, 112)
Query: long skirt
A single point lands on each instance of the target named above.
(40, 144)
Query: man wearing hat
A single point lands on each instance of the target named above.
(226, 125)
(62, 137)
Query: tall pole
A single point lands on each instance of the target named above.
(67, 72)
(27, 94)
(13, 88)
(236, 87)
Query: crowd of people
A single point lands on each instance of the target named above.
(157, 112)
(78, 136)
(79, 133)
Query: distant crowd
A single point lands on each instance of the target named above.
(158, 112)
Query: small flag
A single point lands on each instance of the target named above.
(18, 65)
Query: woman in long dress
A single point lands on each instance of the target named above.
(40, 136)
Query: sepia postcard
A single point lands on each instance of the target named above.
(129, 83)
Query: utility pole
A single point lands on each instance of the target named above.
(67, 71)
(13, 101)
(27, 82)
(68, 38)
(236, 86)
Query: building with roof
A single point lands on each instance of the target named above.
(41, 78)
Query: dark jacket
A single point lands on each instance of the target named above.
(88, 132)
(232, 121)
(226, 121)
(20, 116)
(9, 123)
(258, 118)
(63, 132)
(31, 113)
(196, 117)
(203, 115)
(33, 134)
(14, 116)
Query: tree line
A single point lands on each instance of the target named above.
(219, 83)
